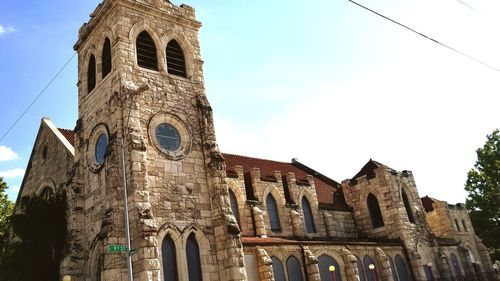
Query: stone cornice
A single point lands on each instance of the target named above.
(183, 15)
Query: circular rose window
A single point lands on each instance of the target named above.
(170, 135)
(96, 147)
(100, 148)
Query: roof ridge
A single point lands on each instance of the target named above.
(255, 158)
(69, 130)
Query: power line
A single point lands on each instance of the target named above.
(39, 95)
(427, 37)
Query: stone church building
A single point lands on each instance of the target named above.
(145, 132)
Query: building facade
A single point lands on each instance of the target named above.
(145, 131)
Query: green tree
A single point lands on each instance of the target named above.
(6, 207)
(483, 202)
(39, 239)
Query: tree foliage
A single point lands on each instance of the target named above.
(39, 238)
(6, 207)
(483, 185)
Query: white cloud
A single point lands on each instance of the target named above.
(13, 191)
(7, 154)
(6, 29)
(13, 173)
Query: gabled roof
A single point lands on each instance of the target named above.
(427, 203)
(47, 123)
(368, 169)
(69, 135)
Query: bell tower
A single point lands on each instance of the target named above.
(146, 124)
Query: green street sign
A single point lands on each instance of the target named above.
(117, 248)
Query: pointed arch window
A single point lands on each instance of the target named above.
(91, 74)
(46, 193)
(169, 260)
(463, 224)
(176, 63)
(406, 202)
(403, 273)
(456, 265)
(279, 274)
(293, 269)
(361, 270)
(193, 258)
(272, 212)
(393, 270)
(234, 206)
(106, 57)
(308, 217)
(324, 263)
(375, 213)
(146, 51)
(367, 260)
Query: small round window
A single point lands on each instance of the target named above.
(168, 137)
(100, 148)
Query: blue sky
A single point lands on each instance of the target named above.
(323, 81)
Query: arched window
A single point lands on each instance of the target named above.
(455, 265)
(272, 212)
(176, 64)
(393, 270)
(193, 258)
(279, 274)
(146, 51)
(324, 263)
(46, 193)
(374, 210)
(106, 57)
(91, 74)
(407, 207)
(361, 270)
(463, 224)
(169, 260)
(308, 217)
(403, 273)
(370, 272)
(234, 206)
(293, 269)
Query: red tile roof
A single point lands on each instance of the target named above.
(324, 186)
(69, 135)
(427, 203)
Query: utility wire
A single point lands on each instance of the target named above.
(39, 95)
(427, 37)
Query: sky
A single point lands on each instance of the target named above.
(323, 81)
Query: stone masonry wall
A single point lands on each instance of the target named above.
(345, 258)
(168, 195)
(291, 217)
(50, 162)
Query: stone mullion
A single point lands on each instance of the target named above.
(265, 265)
(385, 265)
(351, 269)
(311, 265)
